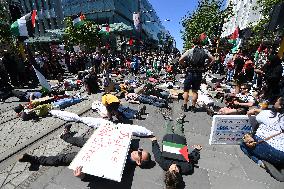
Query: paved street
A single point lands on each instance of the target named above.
(219, 166)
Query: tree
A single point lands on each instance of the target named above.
(208, 17)
(86, 34)
(260, 30)
(5, 34)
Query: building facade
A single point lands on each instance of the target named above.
(49, 14)
(117, 11)
(245, 14)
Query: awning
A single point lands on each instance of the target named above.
(42, 39)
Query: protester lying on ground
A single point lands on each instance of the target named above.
(238, 104)
(124, 111)
(34, 113)
(25, 96)
(170, 158)
(266, 147)
(139, 158)
(36, 109)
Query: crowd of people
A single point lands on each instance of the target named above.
(249, 85)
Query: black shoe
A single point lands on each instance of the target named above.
(184, 108)
(166, 117)
(143, 110)
(138, 115)
(66, 130)
(180, 97)
(25, 158)
(193, 109)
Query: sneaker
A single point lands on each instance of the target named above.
(25, 158)
(181, 118)
(138, 115)
(166, 117)
(66, 129)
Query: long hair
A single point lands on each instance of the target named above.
(280, 111)
(172, 180)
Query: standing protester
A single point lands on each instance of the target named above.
(196, 58)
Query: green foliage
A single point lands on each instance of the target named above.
(5, 34)
(86, 34)
(208, 17)
(260, 31)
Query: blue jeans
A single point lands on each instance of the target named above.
(263, 151)
(161, 103)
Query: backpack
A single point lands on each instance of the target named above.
(197, 60)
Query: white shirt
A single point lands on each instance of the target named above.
(245, 98)
(270, 126)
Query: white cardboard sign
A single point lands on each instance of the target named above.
(230, 129)
(104, 154)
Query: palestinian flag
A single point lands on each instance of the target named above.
(24, 26)
(173, 150)
(204, 38)
(105, 30)
(43, 82)
(79, 20)
(256, 55)
(234, 37)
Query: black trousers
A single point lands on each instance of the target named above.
(62, 159)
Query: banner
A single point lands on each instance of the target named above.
(230, 129)
(136, 21)
(104, 154)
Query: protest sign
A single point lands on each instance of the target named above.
(104, 154)
(229, 129)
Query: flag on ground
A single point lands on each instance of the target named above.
(43, 82)
(79, 20)
(23, 26)
(173, 148)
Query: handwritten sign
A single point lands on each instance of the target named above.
(230, 129)
(104, 154)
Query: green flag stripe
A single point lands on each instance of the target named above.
(171, 144)
(15, 29)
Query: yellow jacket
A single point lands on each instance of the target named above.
(108, 99)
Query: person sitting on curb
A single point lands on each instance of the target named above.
(174, 157)
(136, 157)
(112, 104)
